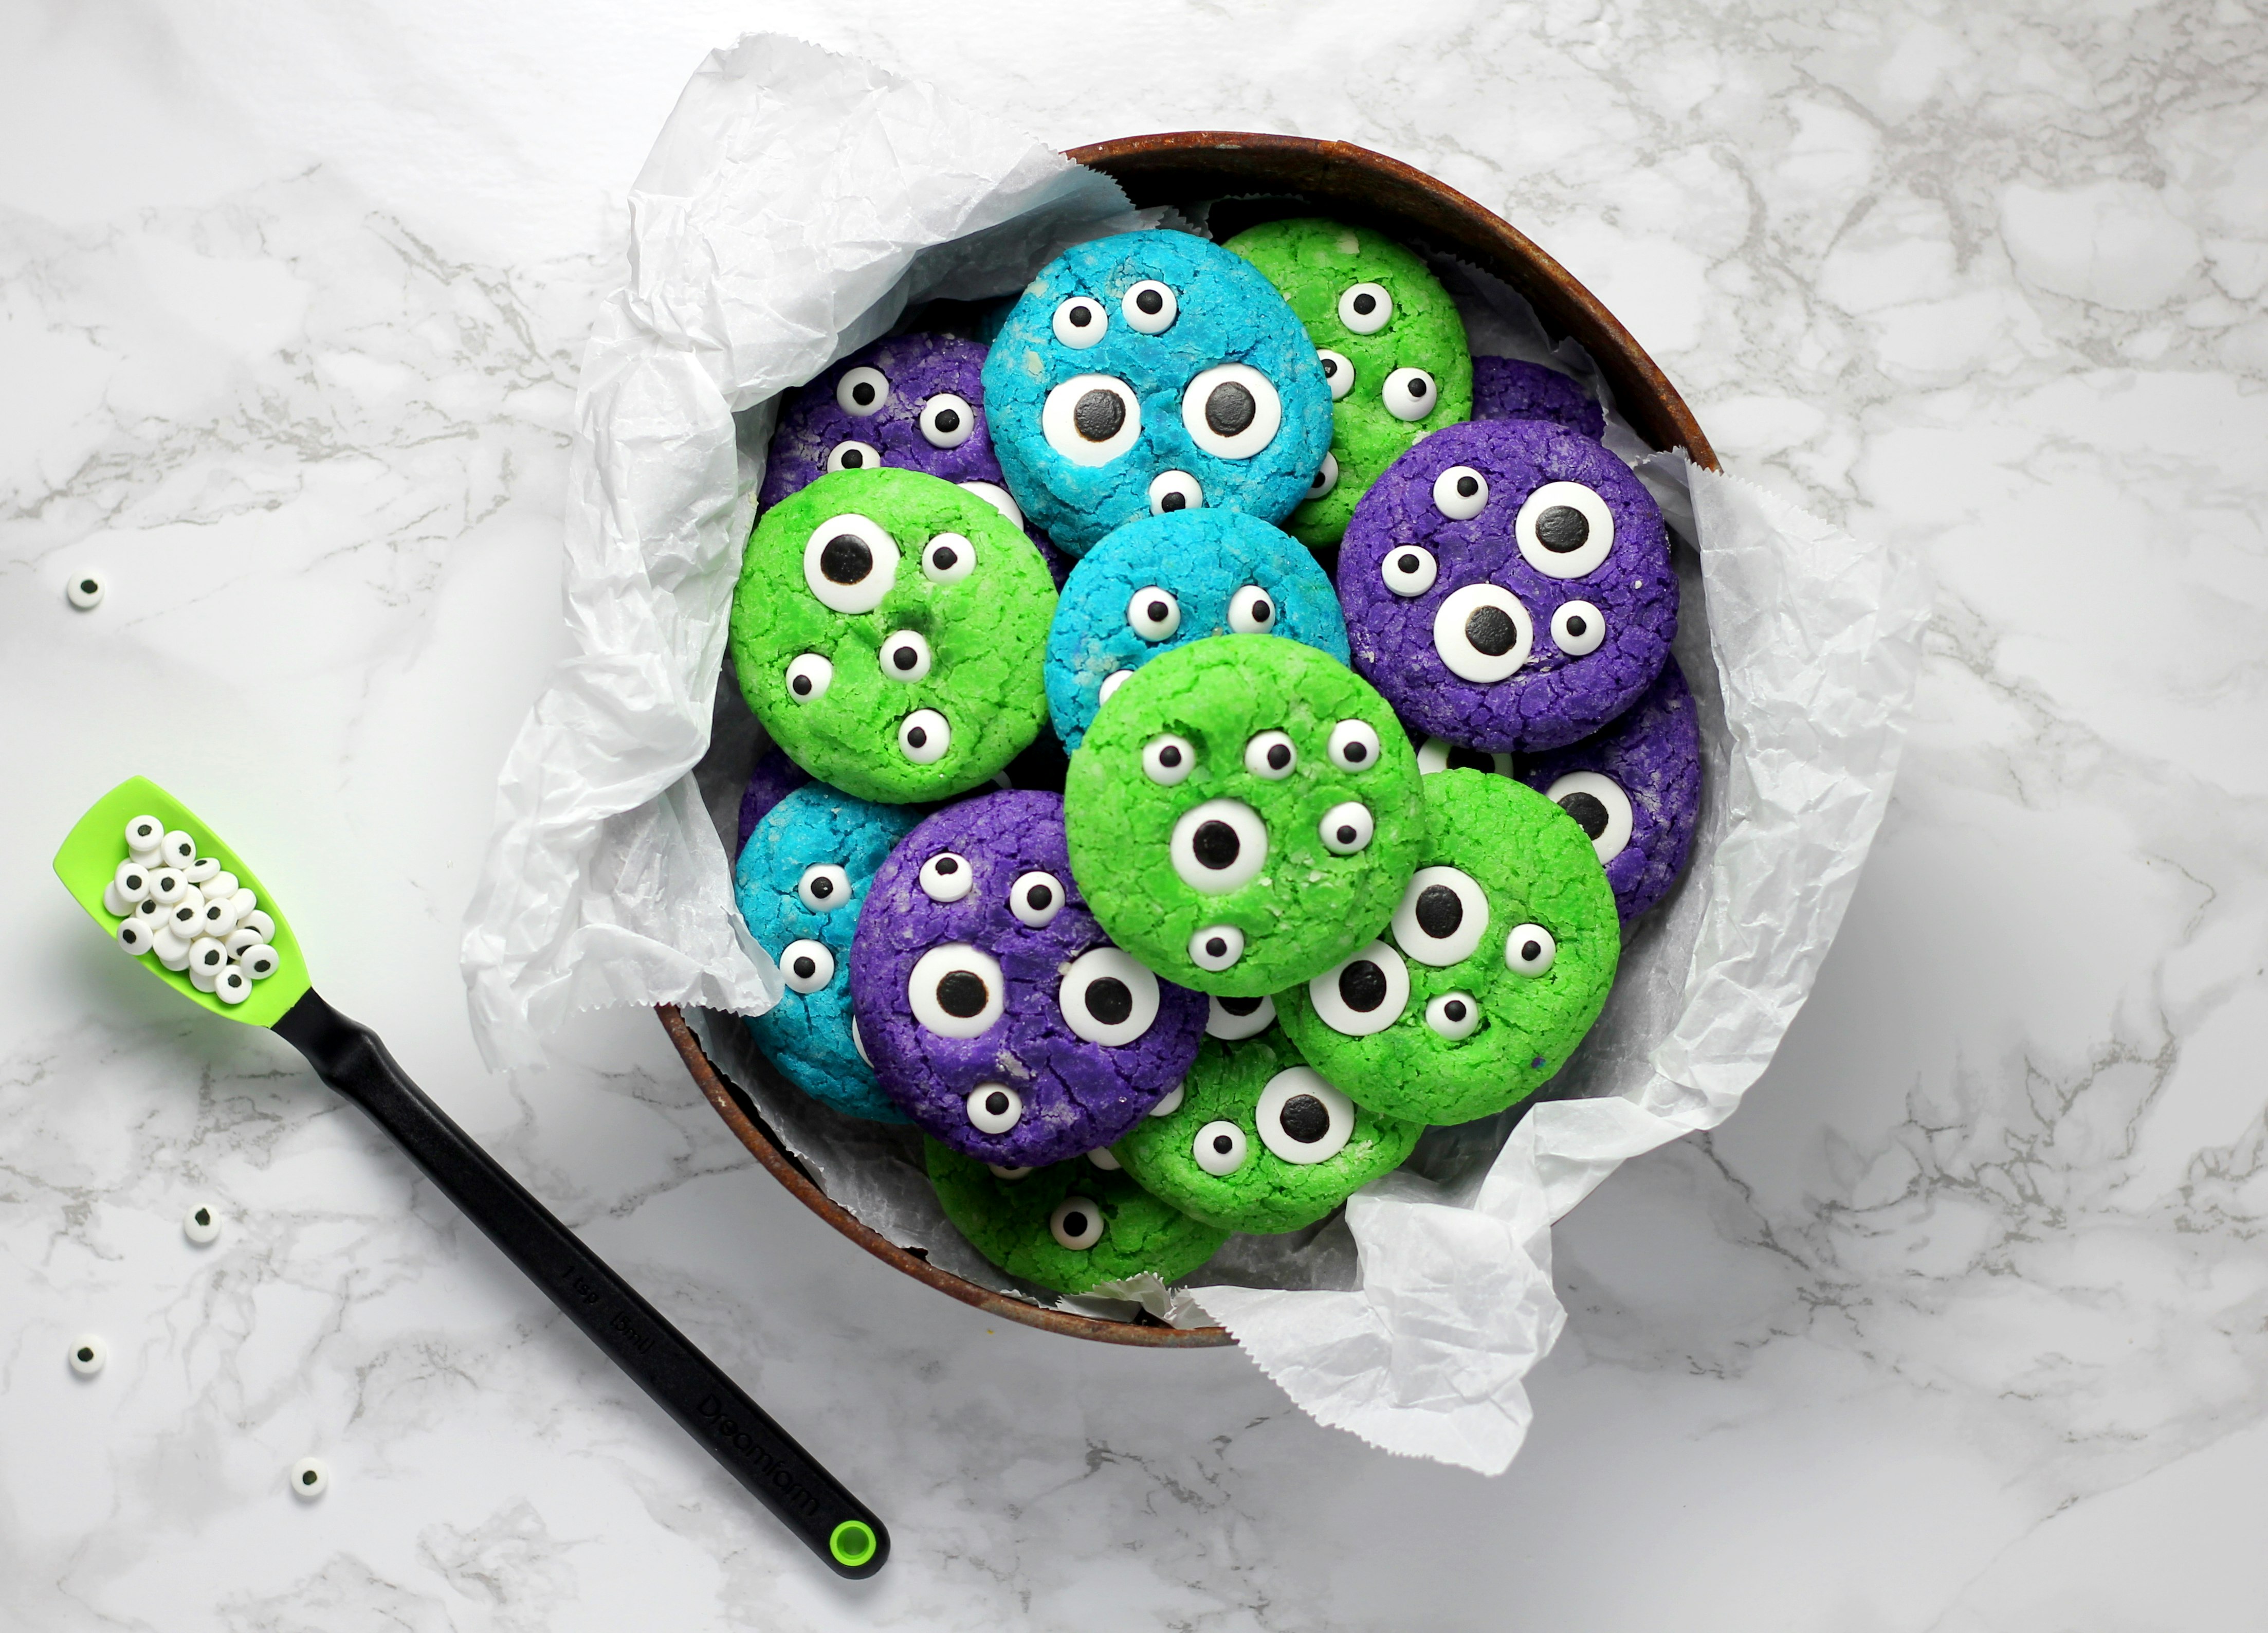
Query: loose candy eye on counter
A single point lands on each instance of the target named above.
(1160, 582)
(1527, 623)
(1227, 879)
(1495, 962)
(1104, 410)
(1391, 344)
(1068, 1226)
(1008, 1027)
(877, 676)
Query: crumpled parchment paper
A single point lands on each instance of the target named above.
(794, 205)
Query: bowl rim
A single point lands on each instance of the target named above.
(1562, 302)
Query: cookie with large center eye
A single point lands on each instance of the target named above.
(798, 883)
(1243, 813)
(996, 1010)
(1163, 581)
(1069, 1226)
(1261, 1141)
(1392, 346)
(1507, 388)
(1148, 372)
(1507, 585)
(1635, 788)
(1497, 961)
(888, 631)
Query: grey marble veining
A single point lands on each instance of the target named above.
(1959, 1324)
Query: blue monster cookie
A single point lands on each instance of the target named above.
(1163, 581)
(800, 879)
(1154, 372)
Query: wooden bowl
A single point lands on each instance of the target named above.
(1348, 183)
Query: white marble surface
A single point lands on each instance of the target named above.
(1962, 1323)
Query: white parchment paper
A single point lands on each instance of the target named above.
(795, 203)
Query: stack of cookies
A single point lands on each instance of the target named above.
(1221, 729)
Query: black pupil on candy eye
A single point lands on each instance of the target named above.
(1491, 629)
(1467, 486)
(1330, 368)
(307, 1479)
(948, 419)
(852, 459)
(1356, 752)
(945, 555)
(1346, 833)
(1229, 408)
(806, 968)
(905, 657)
(1038, 897)
(1156, 611)
(1588, 810)
(1439, 911)
(1074, 1223)
(822, 887)
(1169, 755)
(1080, 317)
(1099, 414)
(1530, 952)
(801, 685)
(84, 1354)
(997, 1103)
(1408, 564)
(205, 1217)
(918, 737)
(1562, 528)
(1223, 1144)
(1455, 1009)
(1216, 947)
(1215, 844)
(961, 994)
(946, 867)
(861, 394)
(1261, 611)
(1239, 1006)
(846, 559)
(86, 587)
(1150, 301)
(1576, 625)
(1362, 986)
(1366, 304)
(1108, 1001)
(1418, 388)
(1175, 501)
(1305, 1118)
(1279, 756)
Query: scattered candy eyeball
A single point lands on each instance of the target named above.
(311, 1477)
(85, 589)
(88, 1352)
(202, 1225)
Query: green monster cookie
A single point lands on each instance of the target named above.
(1392, 345)
(1496, 964)
(1243, 813)
(1260, 1141)
(1070, 1225)
(889, 631)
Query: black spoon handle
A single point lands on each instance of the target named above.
(685, 1384)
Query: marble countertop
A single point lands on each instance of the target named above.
(1961, 1324)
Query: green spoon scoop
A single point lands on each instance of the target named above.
(348, 1056)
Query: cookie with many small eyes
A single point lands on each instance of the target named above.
(1163, 581)
(798, 884)
(1497, 961)
(1392, 345)
(1507, 586)
(1507, 388)
(1069, 1226)
(1243, 813)
(997, 1012)
(1148, 372)
(1261, 1141)
(888, 631)
(1635, 788)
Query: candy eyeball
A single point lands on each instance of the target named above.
(178, 850)
(853, 455)
(1231, 410)
(1409, 570)
(1167, 760)
(85, 589)
(949, 559)
(946, 421)
(905, 656)
(202, 1225)
(1599, 808)
(1365, 995)
(1347, 828)
(808, 677)
(806, 965)
(311, 1477)
(1252, 611)
(1076, 1223)
(1219, 1148)
(208, 959)
(862, 391)
(206, 868)
(1410, 394)
(1460, 493)
(1216, 947)
(1153, 614)
(1366, 308)
(144, 836)
(850, 562)
(924, 736)
(1175, 490)
(88, 1352)
(1103, 1158)
(1443, 915)
(995, 1108)
(824, 887)
(1302, 1118)
(1171, 1103)
(1326, 477)
(1107, 998)
(1111, 683)
(231, 985)
(133, 938)
(999, 499)
(1035, 899)
(1092, 420)
(1563, 530)
(945, 877)
(1338, 372)
(1080, 323)
(956, 990)
(1150, 307)
(1230, 1019)
(1578, 628)
(1529, 949)
(1453, 1015)
(260, 963)
(1354, 745)
(1435, 756)
(260, 923)
(1483, 633)
(131, 882)
(1218, 846)
(1271, 755)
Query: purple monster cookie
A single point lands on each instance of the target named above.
(1507, 586)
(996, 1011)
(1635, 788)
(1506, 388)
